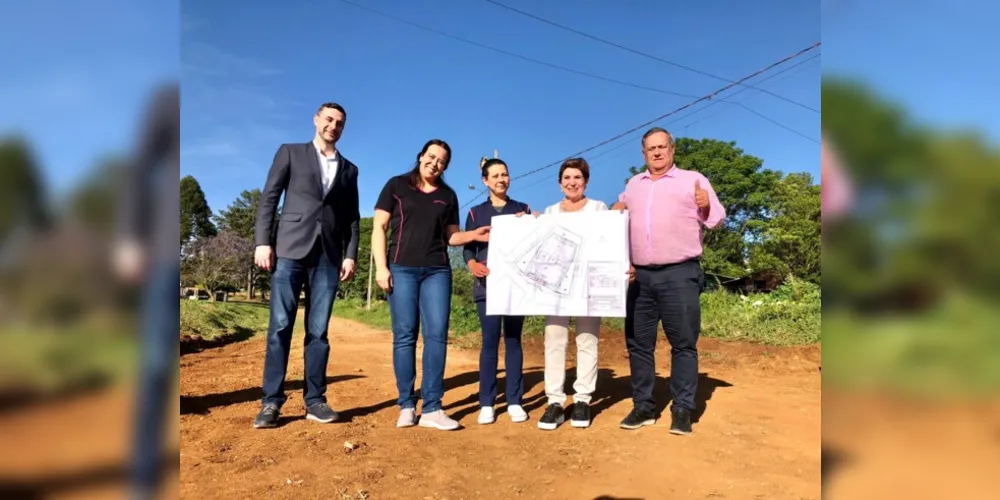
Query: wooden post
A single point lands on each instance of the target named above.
(371, 265)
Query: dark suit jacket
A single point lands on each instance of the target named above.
(306, 214)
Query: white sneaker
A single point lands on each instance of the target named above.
(486, 415)
(407, 418)
(438, 420)
(517, 414)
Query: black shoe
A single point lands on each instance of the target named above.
(581, 415)
(321, 412)
(636, 419)
(680, 421)
(268, 417)
(554, 415)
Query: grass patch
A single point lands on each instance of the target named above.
(209, 324)
(39, 362)
(788, 316)
(213, 320)
(952, 350)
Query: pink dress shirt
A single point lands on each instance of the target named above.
(664, 221)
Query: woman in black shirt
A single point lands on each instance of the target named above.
(421, 212)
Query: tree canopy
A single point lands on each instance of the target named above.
(195, 216)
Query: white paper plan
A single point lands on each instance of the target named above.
(562, 264)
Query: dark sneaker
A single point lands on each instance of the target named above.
(268, 417)
(581, 415)
(680, 421)
(554, 415)
(321, 412)
(637, 419)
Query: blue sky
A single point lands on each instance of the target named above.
(77, 92)
(77, 76)
(255, 72)
(928, 59)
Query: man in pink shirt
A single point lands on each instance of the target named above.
(667, 208)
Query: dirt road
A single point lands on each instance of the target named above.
(758, 435)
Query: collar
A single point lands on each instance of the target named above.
(489, 204)
(672, 172)
(336, 152)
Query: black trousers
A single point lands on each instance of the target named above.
(669, 295)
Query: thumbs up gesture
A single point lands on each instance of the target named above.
(700, 195)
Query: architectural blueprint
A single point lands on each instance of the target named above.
(562, 264)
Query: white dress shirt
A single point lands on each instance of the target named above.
(328, 167)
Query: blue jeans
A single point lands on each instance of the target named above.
(321, 279)
(489, 354)
(158, 367)
(420, 293)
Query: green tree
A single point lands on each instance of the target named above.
(240, 218)
(195, 216)
(357, 288)
(95, 200)
(790, 241)
(744, 188)
(924, 200)
(22, 198)
(241, 215)
(873, 254)
(220, 261)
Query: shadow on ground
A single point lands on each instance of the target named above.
(48, 486)
(202, 404)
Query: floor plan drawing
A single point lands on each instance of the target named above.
(567, 264)
(549, 259)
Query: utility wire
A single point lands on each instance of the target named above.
(694, 112)
(654, 120)
(782, 125)
(519, 56)
(734, 94)
(643, 54)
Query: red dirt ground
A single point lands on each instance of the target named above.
(759, 436)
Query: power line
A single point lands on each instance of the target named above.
(654, 120)
(786, 127)
(744, 89)
(694, 112)
(637, 52)
(519, 56)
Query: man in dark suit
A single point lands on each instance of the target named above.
(315, 246)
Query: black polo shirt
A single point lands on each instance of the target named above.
(418, 222)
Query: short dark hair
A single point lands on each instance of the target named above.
(656, 130)
(415, 172)
(332, 105)
(489, 163)
(577, 163)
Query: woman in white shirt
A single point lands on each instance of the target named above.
(573, 176)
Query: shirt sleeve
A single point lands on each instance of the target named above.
(386, 199)
(621, 196)
(601, 206)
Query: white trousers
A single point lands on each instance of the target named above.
(556, 339)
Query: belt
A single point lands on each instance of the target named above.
(660, 267)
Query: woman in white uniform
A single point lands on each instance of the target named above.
(573, 176)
